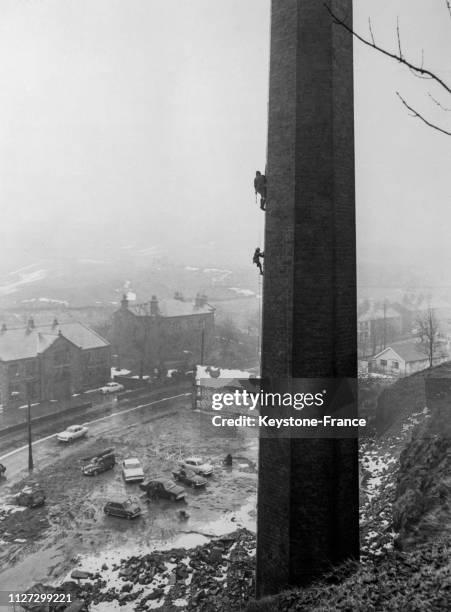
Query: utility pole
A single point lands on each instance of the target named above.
(202, 346)
(30, 448)
(385, 324)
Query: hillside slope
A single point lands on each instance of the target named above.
(405, 519)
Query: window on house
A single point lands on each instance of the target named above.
(30, 368)
(13, 369)
(14, 391)
(62, 357)
(32, 390)
(395, 365)
(61, 374)
(383, 362)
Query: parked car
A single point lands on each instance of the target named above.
(125, 508)
(111, 387)
(189, 478)
(72, 433)
(132, 470)
(31, 496)
(197, 465)
(102, 462)
(162, 487)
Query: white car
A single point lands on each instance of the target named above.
(197, 465)
(132, 470)
(72, 433)
(112, 387)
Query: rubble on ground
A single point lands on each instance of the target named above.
(218, 575)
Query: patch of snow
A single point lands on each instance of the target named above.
(246, 292)
(118, 372)
(224, 375)
(25, 279)
(46, 300)
(179, 603)
(106, 606)
(148, 250)
(22, 269)
(11, 509)
(92, 261)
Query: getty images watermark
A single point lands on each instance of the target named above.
(302, 408)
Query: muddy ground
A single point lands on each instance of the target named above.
(44, 543)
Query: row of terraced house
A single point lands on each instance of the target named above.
(55, 361)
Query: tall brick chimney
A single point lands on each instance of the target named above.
(308, 488)
(124, 302)
(200, 300)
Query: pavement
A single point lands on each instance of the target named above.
(15, 415)
(12, 416)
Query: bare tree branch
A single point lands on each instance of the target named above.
(448, 6)
(419, 116)
(371, 30)
(419, 70)
(428, 332)
(399, 39)
(439, 103)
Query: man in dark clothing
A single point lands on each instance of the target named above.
(260, 187)
(228, 461)
(256, 259)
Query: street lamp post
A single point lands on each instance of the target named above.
(30, 448)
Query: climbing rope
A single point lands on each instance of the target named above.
(261, 227)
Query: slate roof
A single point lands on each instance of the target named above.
(408, 350)
(21, 343)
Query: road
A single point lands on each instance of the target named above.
(44, 544)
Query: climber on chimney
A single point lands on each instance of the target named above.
(260, 188)
(256, 259)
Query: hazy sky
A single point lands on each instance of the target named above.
(143, 122)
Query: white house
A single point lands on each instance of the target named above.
(405, 357)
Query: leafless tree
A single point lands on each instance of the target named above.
(427, 331)
(417, 69)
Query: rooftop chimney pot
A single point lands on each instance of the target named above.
(154, 309)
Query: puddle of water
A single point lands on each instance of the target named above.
(34, 568)
(244, 517)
